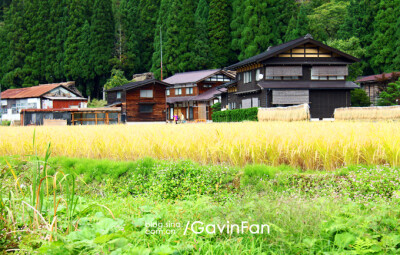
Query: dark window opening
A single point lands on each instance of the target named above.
(143, 108)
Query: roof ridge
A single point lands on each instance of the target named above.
(217, 69)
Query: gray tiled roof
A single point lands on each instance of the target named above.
(273, 51)
(191, 77)
(137, 84)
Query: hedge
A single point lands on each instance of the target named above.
(236, 115)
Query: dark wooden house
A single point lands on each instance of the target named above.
(141, 101)
(297, 72)
(193, 93)
(375, 84)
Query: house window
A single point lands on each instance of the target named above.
(14, 109)
(189, 91)
(258, 75)
(118, 94)
(178, 92)
(145, 108)
(4, 110)
(247, 77)
(280, 78)
(146, 93)
(330, 78)
(168, 92)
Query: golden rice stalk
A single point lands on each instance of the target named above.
(307, 145)
(368, 113)
(292, 113)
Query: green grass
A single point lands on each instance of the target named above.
(353, 210)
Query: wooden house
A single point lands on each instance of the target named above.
(193, 93)
(297, 72)
(375, 84)
(46, 96)
(142, 101)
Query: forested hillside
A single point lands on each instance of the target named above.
(43, 41)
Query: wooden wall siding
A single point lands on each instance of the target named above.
(290, 97)
(202, 111)
(372, 91)
(308, 51)
(324, 102)
(133, 100)
(112, 97)
(173, 94)
(251, 85)
(202, 89)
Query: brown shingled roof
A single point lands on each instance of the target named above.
(31, 92)
(376, 77)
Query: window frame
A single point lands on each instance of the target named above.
(189, 91)
(146, 105)
(119, 94)
(147, 90)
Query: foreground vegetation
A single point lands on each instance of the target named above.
(317, 146)
(106, 207)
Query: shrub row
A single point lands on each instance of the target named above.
(236, 115)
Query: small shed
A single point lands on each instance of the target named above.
(78, 116)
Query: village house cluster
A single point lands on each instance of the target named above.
(302, 71)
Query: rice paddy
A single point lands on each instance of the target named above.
(305, 145)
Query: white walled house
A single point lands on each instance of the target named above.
(47, 96)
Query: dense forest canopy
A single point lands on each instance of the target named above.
(44, 41)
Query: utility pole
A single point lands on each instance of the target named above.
(161, 53)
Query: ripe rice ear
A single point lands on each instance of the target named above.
(368, 113)
(292, 113)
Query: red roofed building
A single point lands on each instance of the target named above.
(46, 96)
(375, 84)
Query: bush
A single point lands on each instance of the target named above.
(359, 98)
(216, 107)
(5, 123)
(236, 115)
(95, 103)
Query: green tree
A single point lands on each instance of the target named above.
(17, 38)
(219, 32)
(265, 24)
(147, 21)
(359, 98)
(165, 7)
(77, 49)
(326, 19)
(390, 96)
(56, 34)
(299, 26)
(101, 42)
(237, 27)
(117, 79)
(201, 44)
(95, 103)
(129, 59)
(352, 46)
(383, 47)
